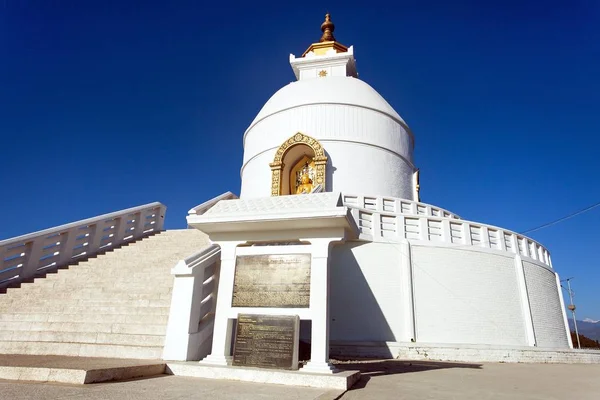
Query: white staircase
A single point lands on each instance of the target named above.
(115, 305)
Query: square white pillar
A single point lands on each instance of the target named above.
(221, 345)
(319, 308)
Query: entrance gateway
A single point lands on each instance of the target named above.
(274, 272)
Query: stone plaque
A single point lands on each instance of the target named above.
(267, 341)
(272, 280)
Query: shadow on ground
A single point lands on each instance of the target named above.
(372, 368)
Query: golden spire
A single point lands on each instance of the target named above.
(327, 41)
(327, 27)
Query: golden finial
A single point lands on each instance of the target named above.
(327, 28)
(327, 41)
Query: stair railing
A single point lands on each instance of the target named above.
(27, 256)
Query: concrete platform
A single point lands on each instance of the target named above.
(75, 370)
(342, 380)
(380, 380)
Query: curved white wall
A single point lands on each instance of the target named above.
(464, 296)
(369, 151)
(366, 292)
(546, 307)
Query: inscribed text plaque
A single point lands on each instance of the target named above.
(266, 341)
(272, 280)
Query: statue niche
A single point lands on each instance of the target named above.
(298, 167)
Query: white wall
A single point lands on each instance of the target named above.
(369, 151)
(366, 292)
(546, 308)
(464, 296)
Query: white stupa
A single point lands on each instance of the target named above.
(400, 275)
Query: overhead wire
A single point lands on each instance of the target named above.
(561, 219)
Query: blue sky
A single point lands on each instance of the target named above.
(106, 105)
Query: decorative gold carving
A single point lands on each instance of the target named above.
(320, 160)
(327, 41)
(322, 73)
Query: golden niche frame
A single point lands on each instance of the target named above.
(277, 165)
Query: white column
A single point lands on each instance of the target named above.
(564, 312)
(221, 346)
(319, 308)
(525, 306)
(178, 326)
(408, 304)
(184, 314)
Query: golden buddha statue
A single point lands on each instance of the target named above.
(306, 184)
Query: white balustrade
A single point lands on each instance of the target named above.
(392, 220)
(26, 256)
(394, 205)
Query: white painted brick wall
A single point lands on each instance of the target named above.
(464, 296)
(546, 310)
(366, 292)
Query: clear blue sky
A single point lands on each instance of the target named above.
(106, 105)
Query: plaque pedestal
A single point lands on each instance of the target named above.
(222, 361)
(315, 367)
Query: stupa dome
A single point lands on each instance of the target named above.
(333, 90)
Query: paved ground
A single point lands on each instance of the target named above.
(164, 388)
(383, 380)
(401, 380)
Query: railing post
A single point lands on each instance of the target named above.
(140, 221)
(466, 230)
(120, 227)
(501, 239)
(485, 237)
(161, 212)
(376, 228)
(33, 253)
(96, 236)
(446, 234)
(67, 242)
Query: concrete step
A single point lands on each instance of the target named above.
(81, 350)
(151, 319)
(83, 337)
(122, 286)
(112, 305)
(94, 290)
(75, 370)
(89, 302)
(92, 310)
(87, 295)
(96, 327)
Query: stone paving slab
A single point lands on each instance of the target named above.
(75, 370)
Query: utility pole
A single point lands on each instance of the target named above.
(572, 308)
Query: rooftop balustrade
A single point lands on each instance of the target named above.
(386, 219)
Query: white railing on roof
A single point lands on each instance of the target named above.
(387, 226)
(394, 205)
(24, 257)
